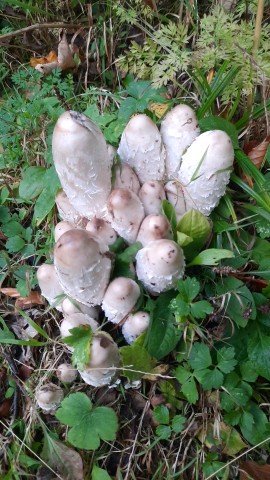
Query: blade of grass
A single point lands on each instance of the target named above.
(257, 113)
(250, 192)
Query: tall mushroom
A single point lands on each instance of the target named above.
(49, 284)
(141, 147)
(81, 160)
(82, 269)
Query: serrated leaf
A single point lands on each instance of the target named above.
(178, 423)
(15, 244)
(200, 357)
(210, 378)
(12, 228)
(128, 108)
(211, 256)
(88, 424)
(179, 307)
(188, 289)
(188, 385)
(239, 303)
(161, 414)
(99, 474)
(136, 361)
(33, 183)
(80, 339)
(201, 309)
(226, 360)
(195, 226)
(163, 432)
(259, 353)
(248, 371)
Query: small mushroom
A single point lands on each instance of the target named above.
(82, 269)
(126, 178)
(125, 213)
(102, 231)
(49, 284)
(66, 211)
(66, 373)
(179, 128)
(135, 324)
(81, 160)
(141, 147)
(160, 265)
(75, 320)
(69, 307)
(152, 195)
(154, 227)
(111, 153)
(120, 298)
(49, 396)
(104, 361)
(205, 170)
(62, 227)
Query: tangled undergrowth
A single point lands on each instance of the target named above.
(192, 399)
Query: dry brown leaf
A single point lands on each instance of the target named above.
(255, 471)
(65, 58)
(10, 292)
(257, 153)
(27, 302)
(51, 57)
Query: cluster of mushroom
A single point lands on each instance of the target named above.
(190, 169)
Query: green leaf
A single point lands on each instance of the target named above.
(136, 361)
(226, 360)
(212, 122)
(163, 432)
(169, 212)
(33, 183)
(88, 424)
(178, 423)
(12, 228)
(162, 335)
(248, 371)
(259, 353)
(15, 244)
(183, 240)
(239, 303)
(99, 474)
(161, 414)
(211, 256)
(210, 378)
(232, 440)
(201, 309)
(196, 227)
(46, 199)
(80, 339)
(188, 289)
(247, 421)
(200, 357)
(127, 108)
(188, 385)
(179, 307)
(258, 430)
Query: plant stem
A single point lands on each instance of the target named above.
(256, 40)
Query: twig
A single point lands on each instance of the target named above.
(39, 26)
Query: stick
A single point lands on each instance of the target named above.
(38, 26)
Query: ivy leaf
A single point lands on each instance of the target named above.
(200, 357)
(80, 339)
(178, 423)
(88, 424)
(161, 414)
(201, 309)
(226, 360)
(137, 361)
(211, 256)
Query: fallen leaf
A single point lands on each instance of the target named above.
(256, 153)
(159, 109)
(65, 58)
(255, 471)
(51, 57)
(10, 292)
(210, 75)
(23, 302)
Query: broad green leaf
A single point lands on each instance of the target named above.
(259, 353)
(200, 357)
(136, 361)
(197, 227)
(226, 360)
(248, 371)
(171, 393)
(188, 385)
(179, 307)
(80, 340)
(259, 429)
(162, 335)
(163, 432)
(33, 183)
(211, 256)
(46, 199)
(188, 289)
(10, 229)
(161, 414)
(239, 303)
(201, 309)
(183, 240)
(99, 474)
(88, 424)
(66, 461)
(210, 378)
(123, 260)
(15, 244)
(247, 421)
(231, 439)
(178, 423)
(213, 122)
(127, 108)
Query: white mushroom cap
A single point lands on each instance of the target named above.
(160, 265)
(81, 160)
(66, 211)
(205, 170)
(82, 269)
(176, 195)
(126, 178)
(66, 373)
(125, 213)
(75, 320)
(111, 153)
(104, 357)
(102, 231)
(179, 128)
(141, 147)
(49, 396)
(69, 307)
(120, 298)
(62, 227)
(154, 227)
(152, 195)
(49, 284)
(135, 325)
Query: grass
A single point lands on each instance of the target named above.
(223, 398)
